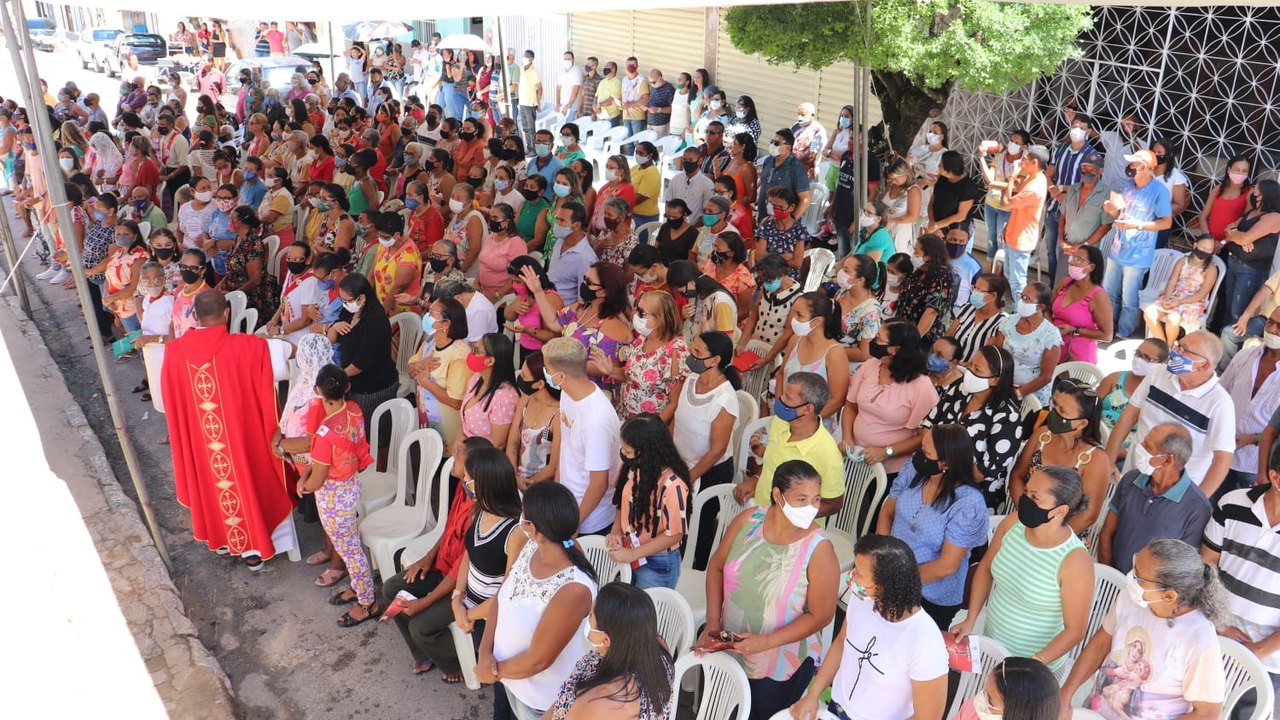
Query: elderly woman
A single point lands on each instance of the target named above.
(1033, 341)
(653, 366)
(772, 581)
(614, 243)
(1172, 605)
(335, 228)
(247, 269)
(440, 368)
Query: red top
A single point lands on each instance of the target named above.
(453, 543)
(338, 441)
(425, 228)
(1225, 212)
(322, 170)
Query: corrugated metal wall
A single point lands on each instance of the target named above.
(547, 36)
(675, 41)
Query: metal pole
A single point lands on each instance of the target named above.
(12, 258)
(58, 197)
(501, 52)
(333, 70)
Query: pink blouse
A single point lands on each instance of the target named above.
(494, 256)
(888, 414)
(477, 419)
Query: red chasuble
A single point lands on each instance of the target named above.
(220, 405)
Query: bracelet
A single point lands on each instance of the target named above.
(457, 594)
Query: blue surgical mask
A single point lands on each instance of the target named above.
(542, 149)
(250, 176)
(560, 190)
(845, 122)
(99, 216)
(937, 364)
(550, 383)
(785, 412)
(428, 324)
(561, 231)
(412, 203)
(772, 286)
(325, 284)
(977, 299)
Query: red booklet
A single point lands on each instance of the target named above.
(744, 361)
(962, 653)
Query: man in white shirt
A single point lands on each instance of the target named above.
(589, 435)
(692, 185)
(1254, 385)
(482, 316)
(1126, 139)
(568, 88)
(1187, 392)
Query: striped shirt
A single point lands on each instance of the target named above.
(1067, 162)
(1024, 610)
(972, 333)
(1249, 564)
(486, 560)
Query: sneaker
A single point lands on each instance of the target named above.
(48, 273)
(60, 278)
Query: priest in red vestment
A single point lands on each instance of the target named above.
(220, 404)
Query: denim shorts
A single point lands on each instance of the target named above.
(660, 570)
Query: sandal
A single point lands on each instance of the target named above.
(330, 577)
(340, 600)
(372, 611)
(450, 679)
(423, 667)
(140, 387)
(317, 558)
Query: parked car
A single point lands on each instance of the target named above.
(148, 47)
(94, 45)
(43, 32)
(276, 72)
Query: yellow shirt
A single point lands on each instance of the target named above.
(282, 202)
(641, 89)
(647, 181)
(1272, 301)
(529, 82)
(610, 87)
(819, 450)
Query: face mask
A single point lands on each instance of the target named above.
(203, 196)
(191, 277)
(801, 517)
(437, 265)
(690, 168)
(642, 159)
(785, 412)
(99, 216)
(226, 205)
(1014, 148)
(1201, 255)
(894, 281)
(525, 387)
(163, 130)
(561, 190)
(297, 268)
(352, 307)
(412, 203)
(924, 466)
(718, 257)
(1027, 309)
(546, 374)
(977, 299)
(542, 149)
(632, 67)
(587, 293)
(1058, 424)
(781, 213)
(878, 349)
(326, 284)
(151, 290)
(800, 327)
(455, 206)
(1142, 460)
(1131, 171)
(772, 286)
(844, 280)
(642, 328)
(717, 104)
(1078, 134)
(845, 122)
(163, 253)
(250, 176)
(867, 220)
(475, 363)
(1179, 364)
(428, 324)
(1137, 593)
(1030, 514)
(386, 242)
(466, 135)
(937, 364)
(1142, 368)
(1238, 178)
(124, 241)
(971, 384)
(611, 175)
(606, 71)
(1271, 340)
(982, 707)
(917, 262)
(932, 138)
(501, 184)
(803, 120)
(323, 206)
(774, 150)
(954, 250)
(67, 163)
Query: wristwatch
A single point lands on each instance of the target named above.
(888, 451)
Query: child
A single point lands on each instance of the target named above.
(1182, 303)
(156, 305)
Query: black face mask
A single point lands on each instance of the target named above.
(878, 349)
(530, 195)
(497, 225)
(1201, 255)
(475, 182)
(1161, 158)
(297, 268)
(954, 251)
(675, 222)
(696, 364)
(924, 466)
(1131, 171)
(511, 155)
(525, 387)
(432, 120)
(718, 257)
(437, 265)
(1057, 424)
(690, 294)
(465, 135)
(690, 168)
(162, 130)
(163, 253)
(586, 293)
(191, 277)
(1030, 514)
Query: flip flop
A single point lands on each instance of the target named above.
(347, 621)
(445, 679)
(317, 558)
(423, 668)
(330, 577)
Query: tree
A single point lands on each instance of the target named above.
(917, 50)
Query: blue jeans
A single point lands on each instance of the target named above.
(633, 127)
(131, 324)
(1016, 263)
(569, 116)
(996, 220)
(522, 711)
(528, 121)
(1122, 284)
(1242, 283)
(660, 570)
(1051, 242)
(1231, 342)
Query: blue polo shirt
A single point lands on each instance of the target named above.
(1181, 512)
(548, 171)
(1136, 248)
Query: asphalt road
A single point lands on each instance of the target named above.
(274, 632)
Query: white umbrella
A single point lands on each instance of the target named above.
(464, 41)
(313, 50)
(375, 30)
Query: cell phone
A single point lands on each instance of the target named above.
(722, 640)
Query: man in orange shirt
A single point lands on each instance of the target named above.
(1025, 198)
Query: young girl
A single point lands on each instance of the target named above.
(652, 504)
(529, 442)
(898, 267)
(1182, 304)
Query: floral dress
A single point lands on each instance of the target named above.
(616, 254)
(777, 240)
(923, 291)
(1028, 351)
(862, 322)
(736, 282)
(588, 665)
(1190, 280)
(326, 234)
(119, 273)
(1114, 403)
(592, 337)
(266, 296)
(385, 265)
(651, 375)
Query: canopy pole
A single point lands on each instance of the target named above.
(333, 70)
(501, 54)
(28, 80)
(13, 259)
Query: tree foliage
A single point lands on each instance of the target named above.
(917, 49)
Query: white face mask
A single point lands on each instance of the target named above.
(568, 64)
(204, 196)
(932, 138)
(611, 175)
(352, 306)
(1078, 134)
(1027, 309)
(717, 104)
(971, 384)
(1136, 591)
(800, 327)
(1271, 340)
(1142, 368)
(844, 280)
(641, 325)
(586, 633)
(456, 206)
(1142, 460)
(867, 220)
(1014, 148)
(774, 150)
(917, 262)
(386, 242)
(982, 707)
(801, 517)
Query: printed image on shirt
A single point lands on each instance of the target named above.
(1117, 691)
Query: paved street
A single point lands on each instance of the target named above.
(273, 632)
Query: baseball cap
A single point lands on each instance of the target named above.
(1094, 158)
(1146, 157)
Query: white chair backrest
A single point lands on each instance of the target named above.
(821, 260)
(611, 139)
(606, 569)
(1161, 268)
(667, 145)
(729, 509)
(144, 228)
(1078, 370)
(748, 414)
(642, 136)
(239, 302)
(1096, 529)
(1118, 355)
(864, 487)
(250, 318)
(971, 682)
(272, 244)
(430, 450)
(675, 619)
(1244, 673)
(756, 382)
(648, 232)
(1217, 283)
(1030, 404)
(466, 653)
(1108, 583)
(993, 522)
(743, 455)
(726, 691)
(277, 267)
(403, 418)
(410, 325)
(817, 203)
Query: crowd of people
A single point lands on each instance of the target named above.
(582, 379)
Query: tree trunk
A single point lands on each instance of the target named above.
(905, 105)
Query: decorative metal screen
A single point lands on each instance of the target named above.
(1204, 78)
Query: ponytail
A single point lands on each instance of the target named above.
(579, 560)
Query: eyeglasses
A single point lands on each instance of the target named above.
(1182, 350)
(1078, 261)
(1149, 358)
(193, 268)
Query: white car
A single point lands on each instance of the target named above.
(94, 45)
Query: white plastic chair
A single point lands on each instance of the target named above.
(410, 325)
(419, 546)
(648, 232)
(378, 487)
(993, 653)
(743, 454)
(1030, 404)
(1118, 355)
(756, 382)
(239, 302)
(391, 528)
(277, 263)
(726, 689)
(1107, 585)
(748, 415)
(1096, 529)
(1161, 268)
(993, 523)
(817, 203)
(250, 319)
(668, 145)
(598, 555)
(642, 136)
(864, 485)
(1244, 673)
(466, 653)
(272, 244)
(1079, 370)
(675, 620)
(1213, 295)
(692, 585)
(611, 141)
(144, 228)
(821, 260)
